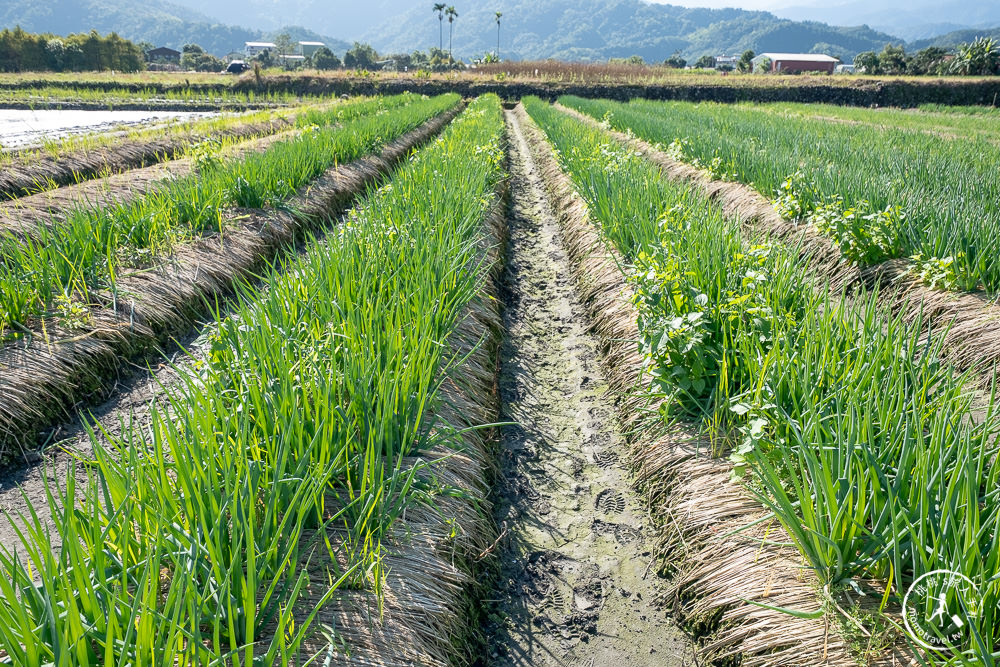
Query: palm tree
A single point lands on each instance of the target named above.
(439, 8)
(452, 15)
(498, 15)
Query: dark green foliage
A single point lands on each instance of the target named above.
(981, 57)
(746, 61)
(675, 61)
(361, 56)
(324, 58)
(21, 51)
(705, 62)
(194, 57)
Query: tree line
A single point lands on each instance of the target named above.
(22, 51)
(980, 57)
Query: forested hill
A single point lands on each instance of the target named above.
(601, 29)
(159, 23)
(957, 37)
(592, 30)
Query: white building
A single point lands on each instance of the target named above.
(726, 62)
(307, 49)
(254, 48)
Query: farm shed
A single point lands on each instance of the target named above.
(307, 49)
(254, 48)
(163, 54)
(794, 62)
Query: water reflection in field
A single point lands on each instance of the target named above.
(24, 127)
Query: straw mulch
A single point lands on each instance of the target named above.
(32, 167)
(713, 571)
(972, 339)
(432, 552)
(24, 215)
(54, 370)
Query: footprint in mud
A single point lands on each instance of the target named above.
(555, 598)
(610, 501)
(623, 534)
(606, 458)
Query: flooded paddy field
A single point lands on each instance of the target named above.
(26, 127)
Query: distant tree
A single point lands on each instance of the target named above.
(263, 59)
(892, 60)
(440, 58)
(55, 51)
(452, 15)
(676, 61)
(190, 55)
(705, 62)
(439, 7)
(928, 61)
(361, 56)
(401, 61)
(746, 61)
(284, 45)
(867, 62)
(497, 53)
(420, 59)
(193, 57)
(981, 57)
(324, 58)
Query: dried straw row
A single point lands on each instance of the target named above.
(23, 215)
(33, 167)
(714, 572)
(972, 339)
(54, 370)
(433, 551)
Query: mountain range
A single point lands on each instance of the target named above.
(914, 20)
(586, 30)
(160, 23)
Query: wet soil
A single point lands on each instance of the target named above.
(19, 128)
(576, 583)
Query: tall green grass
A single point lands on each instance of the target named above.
(279, 461)
(843, 421)
(879, 192)
(69, 258)
(951, 122)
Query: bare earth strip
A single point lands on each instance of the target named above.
(577, 584)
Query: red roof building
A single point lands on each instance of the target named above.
(794, 62)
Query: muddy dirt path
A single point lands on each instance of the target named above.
(576, 585)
